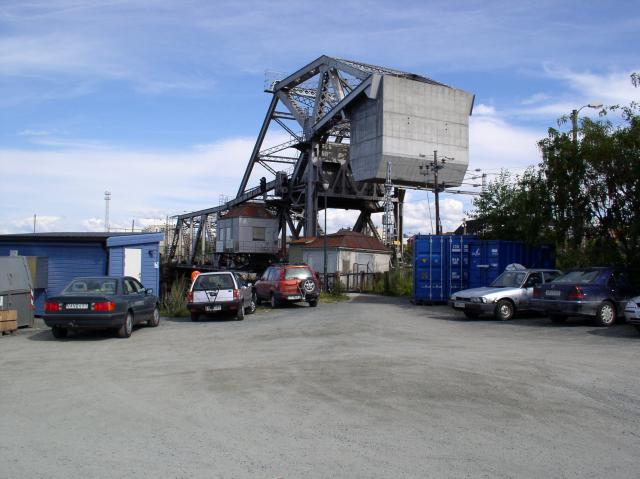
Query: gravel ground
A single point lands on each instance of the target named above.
(368, 388)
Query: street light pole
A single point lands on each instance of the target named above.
(574, 119)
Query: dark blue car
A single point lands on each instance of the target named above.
(106, 302)
(596, 292)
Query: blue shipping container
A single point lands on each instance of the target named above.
(446, 264)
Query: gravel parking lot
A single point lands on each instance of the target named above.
(368, 388)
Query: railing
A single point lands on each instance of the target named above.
(352, 282)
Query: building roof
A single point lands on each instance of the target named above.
(92, 237)
(345, 239)
(249, 210)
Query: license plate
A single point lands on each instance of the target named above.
(295, 297)
(552, 292)
(216, 307)
(76, 306)
(458, 304)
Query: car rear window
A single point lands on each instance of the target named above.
(206, 282)
(297, 273)
(579, 276)
(91, 286)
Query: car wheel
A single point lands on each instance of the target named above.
(127, 327)
(195, 317)
(240, 313)
(471, 314)
(504, 310)
(557, 318)
(155, 318)
(59, 332)
(274, 301)
(313, 303)
(606, 314)
(252, 305)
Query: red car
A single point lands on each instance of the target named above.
(283, 283)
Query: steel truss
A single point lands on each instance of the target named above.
(312, 165)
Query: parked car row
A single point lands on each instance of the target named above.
(219, 291)
(120, 303)
(603, 294)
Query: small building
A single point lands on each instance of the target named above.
(248, 228)
(64, 256)
(347, 252)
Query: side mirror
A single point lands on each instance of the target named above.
(148, 291)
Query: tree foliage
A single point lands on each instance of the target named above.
(584, 196)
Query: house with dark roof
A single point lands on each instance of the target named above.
(347, 252)
(64, 256)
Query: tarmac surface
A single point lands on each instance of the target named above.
(374, 387)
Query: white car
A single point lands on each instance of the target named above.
(632, 312)
(212, 293)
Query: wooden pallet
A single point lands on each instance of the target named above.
(8, 321)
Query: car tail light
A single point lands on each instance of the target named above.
(236, 294)
(190, 296)
(51, 307)
(104, 306)
(576, 293)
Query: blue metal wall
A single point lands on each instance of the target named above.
(150, 257)
(65, 260)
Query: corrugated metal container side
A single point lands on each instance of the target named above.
(65, 262)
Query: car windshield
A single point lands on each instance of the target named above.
(578, 276)
(509, 279)
(91, 286)
(297, 273)
(205, 282)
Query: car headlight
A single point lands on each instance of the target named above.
(479, 300)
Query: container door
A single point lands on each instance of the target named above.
(133, 263)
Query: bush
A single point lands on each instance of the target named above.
(174, 303)
(398, 282)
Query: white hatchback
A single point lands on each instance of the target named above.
(632, 312)
(212, 293)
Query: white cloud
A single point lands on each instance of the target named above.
(484, 110)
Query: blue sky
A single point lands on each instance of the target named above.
(160, 101)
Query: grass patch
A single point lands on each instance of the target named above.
(332, 297)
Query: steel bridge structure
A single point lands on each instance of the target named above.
(311, 169)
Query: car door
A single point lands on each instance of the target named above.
(134, 298)
(262, 286)
(149, 299)
(533, 279)
(622, 290)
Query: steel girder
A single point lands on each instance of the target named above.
(316, 100)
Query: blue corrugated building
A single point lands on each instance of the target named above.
(70, 255)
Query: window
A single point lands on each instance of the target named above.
(130, 286)
(259, 233)
(534, 278)
(207, 282)
(227, 235)
(550, 276)
(91, 285)
(274, 275)
(297, 273)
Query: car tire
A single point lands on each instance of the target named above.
(155, 318)
(557, 318)
(240, 313)
(313, 303)
(274, 301)
(606, 314)
(253, 305)
(471, 314)
(195, 317)
(127, 326)
(59, 332)
(505, 310)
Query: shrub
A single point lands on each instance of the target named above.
(174, 303)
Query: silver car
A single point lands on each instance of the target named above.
(509, 293)
(222, 291)
(632, 312)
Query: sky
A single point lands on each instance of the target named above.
(160, 102)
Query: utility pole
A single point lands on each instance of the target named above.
(435, 166)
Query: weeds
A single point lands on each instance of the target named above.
(174, 303)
